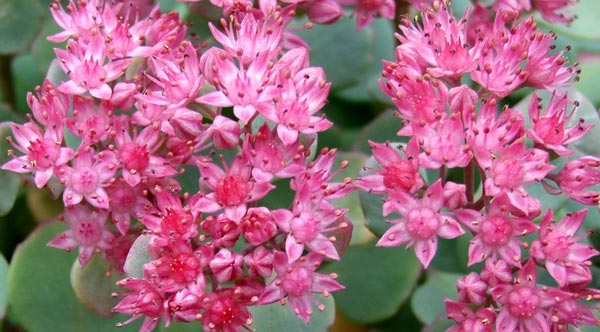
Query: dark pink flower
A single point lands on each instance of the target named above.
(223, 311)
(577, 176)
(471, 289)
(468, 321)
(143, 300)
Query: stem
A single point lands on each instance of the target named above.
(442, 174)
(402, 9)
(6, 80)
(470, 181)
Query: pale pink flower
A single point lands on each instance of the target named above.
(550, 128)
(421, 224)
(87, 231)
(524, 305)
(88, 68)
(226, 265)
(297, 280)
(258, 225)
(576, 178)
(466, 320)
(366, 11)
(88, 177)
(471, 289)
(497, 231)
(554, 10)
(566, 259)
(43, 152)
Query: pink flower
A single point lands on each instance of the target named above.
(88, 177)
(137, 154)
(550, 129)
(367, 10)
(87, 231)
(576, 176)
(553, 10)
(298, 281)
(177, 267)
(91, 124)
(143, 300)
(258, 225)
(496, 231)
(524, 306)
(223, 311)
(50, 107)
(566, 260)
(88, 69)
(126, 202)
(43, 152)
(468, 321)
(397, 173)
(471, 289)
(511, 168)
(174, 221)
(421, 224)
(234, 187)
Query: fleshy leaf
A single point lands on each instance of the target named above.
(277, 317)
(137, 257)
(93, 287)
(378, 281)
(360, 233)
(40, 293)
(3, 285)
(428, 300)
(10, 181)
(22, 16)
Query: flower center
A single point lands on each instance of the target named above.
(496, 231)
(184, 268)
(305, 228)
(422, 223)
(43, 153)
(400, 175)
(84, 180)
(549, 130)
(297, 281)
(123, 199)
(135, 157)
(87, 232)
(232, 190)
(523, 302)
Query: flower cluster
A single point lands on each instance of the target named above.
(448, 123)
(141, 106)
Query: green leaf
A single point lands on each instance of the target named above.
(377, 280)
(589, 78)
(10, 181)
(343, 52)
(26, 78)
(93, 287)
(39, 291)
(20, 22)
(428, 300)
(136, 258)
(360, 233)
(586, 24)
(277, 317)
(3, 285)
(383, 128)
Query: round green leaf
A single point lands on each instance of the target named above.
(277, 317)
(136, 258)
(20, 22)
(343, 52)
(3, 285)
(39, 291)
(93, 287)
(589, 78)
(377, 280)
(428, 300)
